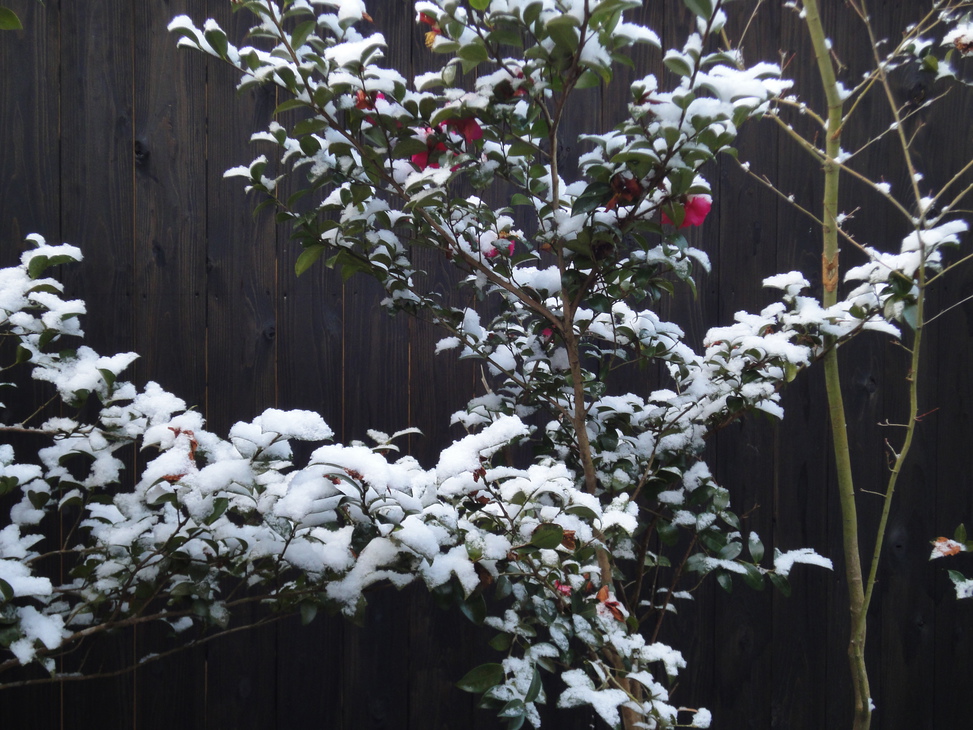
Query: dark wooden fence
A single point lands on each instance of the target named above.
(113, 140)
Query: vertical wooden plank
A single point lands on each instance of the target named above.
(170, 194)
(949, 353)
(309, 362)
(29, 202)
(97, 214)
(100, 136)
(948, 364)
(802, 484)
(743, 453)
(443, 645)
(938, 624)
(241, 253)
(309, 658)
(30, 185)
(375, 394)
(96, 164)
(241, 296)
(900, 654)
(169, 154)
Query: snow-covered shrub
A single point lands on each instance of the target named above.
(572, 556)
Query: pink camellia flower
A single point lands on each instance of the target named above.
(562, 588)
(494, 251)
(697, 208)
(498, 246)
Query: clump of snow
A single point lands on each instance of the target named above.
(783, 562)
(296, 424)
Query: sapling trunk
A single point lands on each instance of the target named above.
(836, 408)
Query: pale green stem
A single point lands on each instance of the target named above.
(836, 407)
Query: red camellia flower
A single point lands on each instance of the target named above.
(609, 605)
(697, 208)
(467, 128)
(421, 159)
(366, 99)
(433, 31)
(624, 189)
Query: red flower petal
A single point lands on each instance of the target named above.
(697, 208)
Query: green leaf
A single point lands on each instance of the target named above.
(677, 65)
(473, 53)
(444, 46)
(108, 376)
(9, 20)
(781, 584)
(501, 642)
(700, 8)
(474, 609)
(594, 195)
(6, 591)
(957, 577)
(8, 484)
(308, 612)
(408, 147)
(565, 21)
(186, 588)
(910, 315)
(515, 723)
(547, 536)
(675, 213)
(960, 534)
(219, 507)
(753, 578)
(309, 126)
(480, 4)
(481, 678)
(668, 533)
(535, 687)
(562, 30)
(725, 581)
(217, 39)
(588, 80)
(307, 258)
(38, 499)
(756, 547)
(730, 551)
(512, 710)
(301, 32)
(579, 510)
(532, 12)
(290, 104)
(506, 36)
(37, 266)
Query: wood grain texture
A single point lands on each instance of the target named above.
(241, 349)
(97, 214)
(113, 140)
(29, 203)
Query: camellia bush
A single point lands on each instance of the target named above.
(574, 515)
